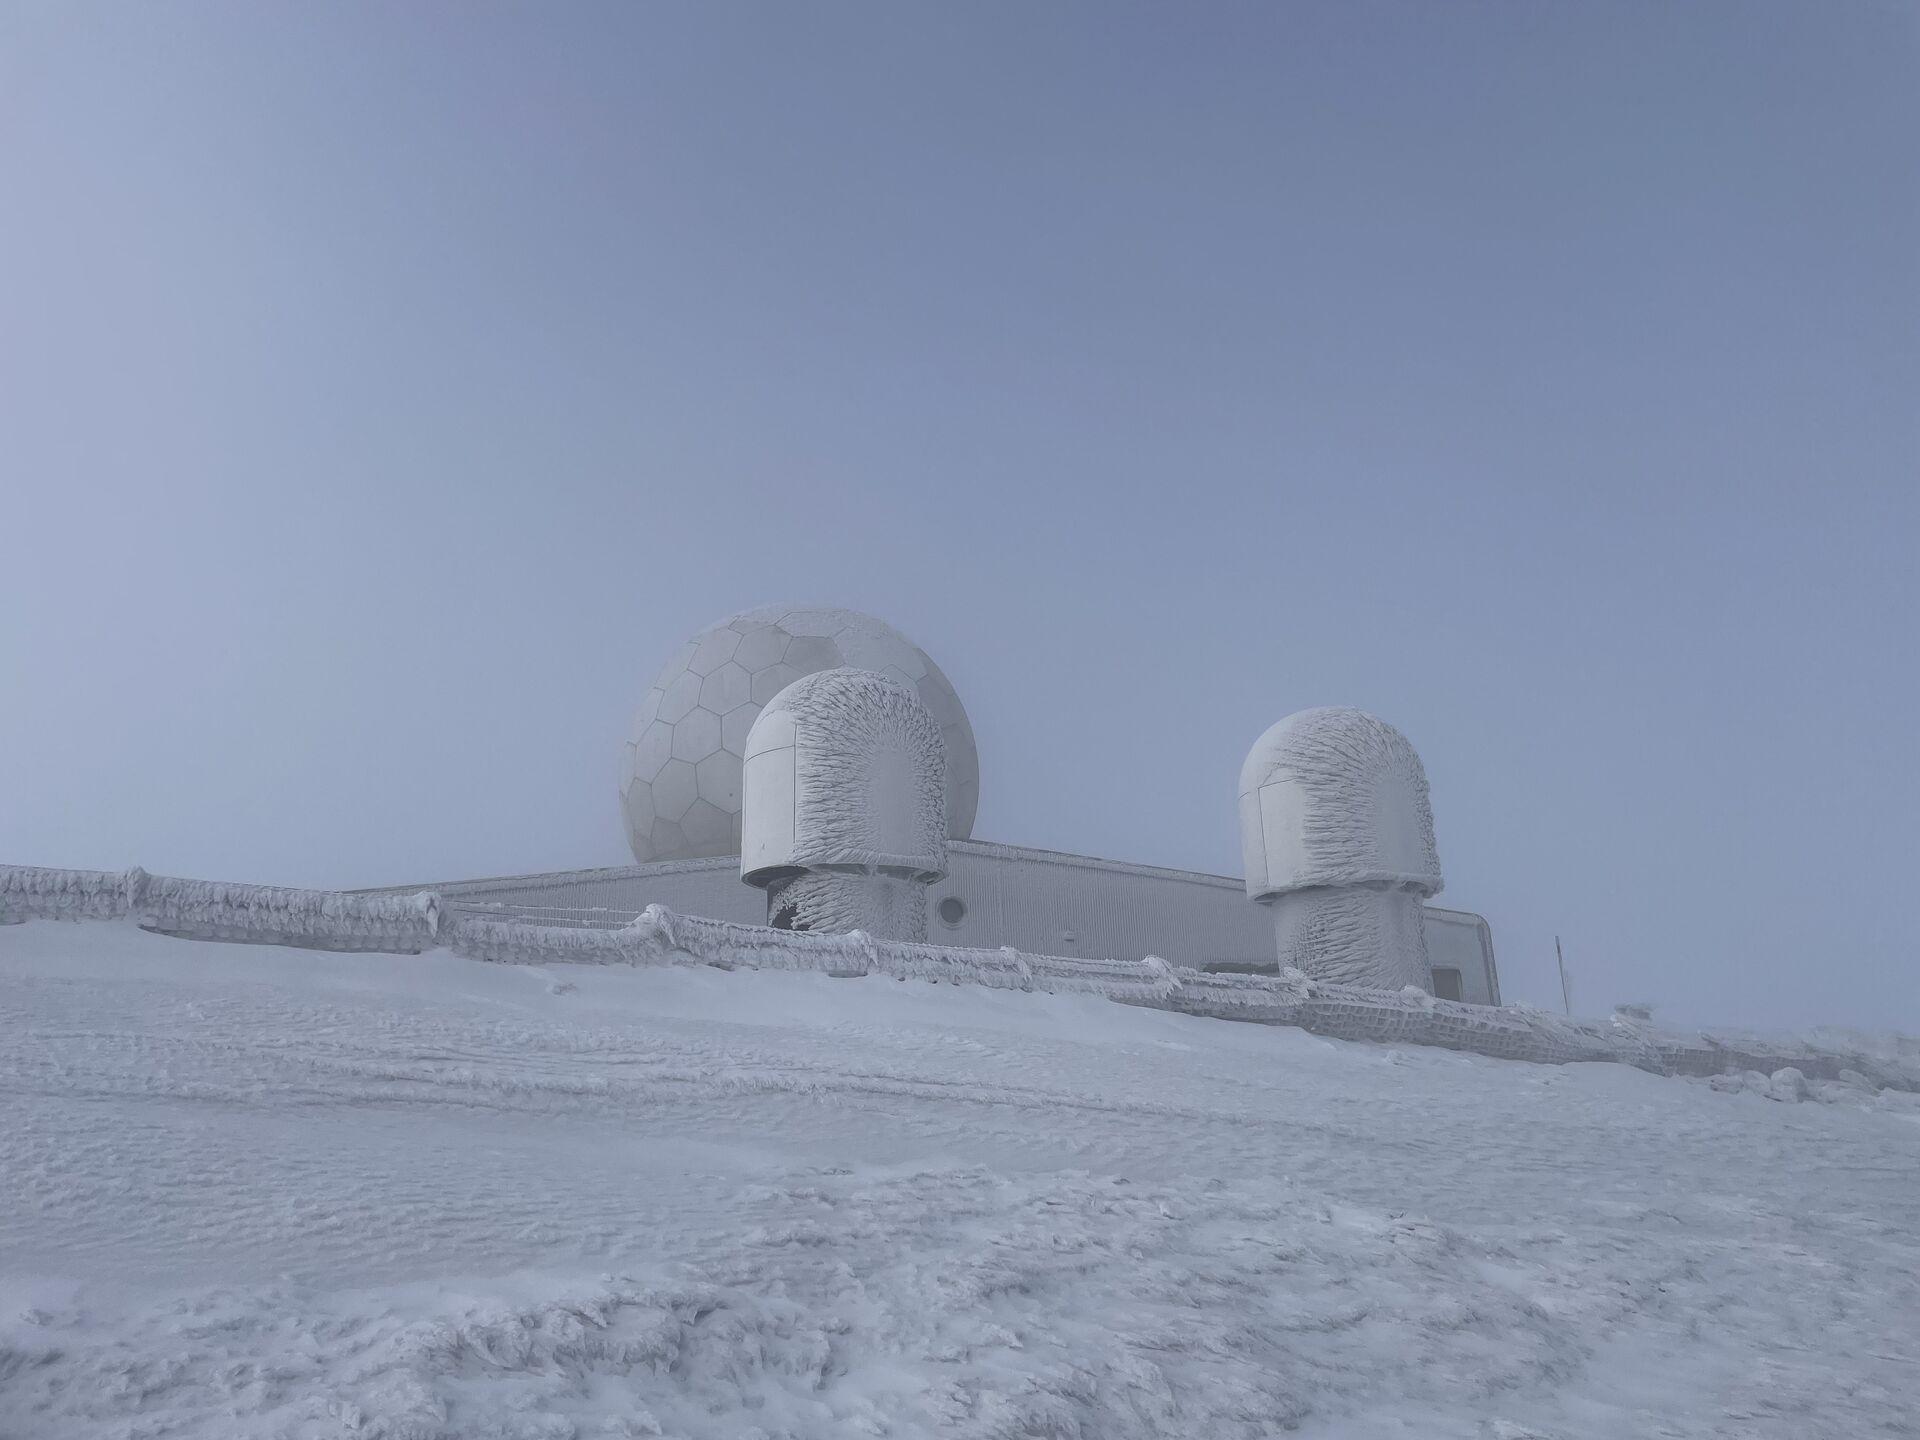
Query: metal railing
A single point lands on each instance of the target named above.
(582, 917)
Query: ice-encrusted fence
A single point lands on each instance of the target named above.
(212, 910)
(410, 924)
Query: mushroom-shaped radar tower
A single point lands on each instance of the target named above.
(844, 810)
(1337, 833)
(680, 767)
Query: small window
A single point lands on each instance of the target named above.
(1446, 983)
(952, 910)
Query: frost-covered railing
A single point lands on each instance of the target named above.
(571, 917)
(409, 924)
(211, 910)
(660, 937)
(1514, 1032)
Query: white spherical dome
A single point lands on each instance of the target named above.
(680, 772)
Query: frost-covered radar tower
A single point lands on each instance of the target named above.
(1337, 833)
(843, 805)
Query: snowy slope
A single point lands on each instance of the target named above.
(248, 1191)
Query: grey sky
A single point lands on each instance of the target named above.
(386, 390)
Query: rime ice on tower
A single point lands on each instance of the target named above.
(843, 805)
(1337, 833)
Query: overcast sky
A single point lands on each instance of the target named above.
(386, 390)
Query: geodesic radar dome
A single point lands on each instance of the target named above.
(1336, 796)
(844, 769)
(680, 768)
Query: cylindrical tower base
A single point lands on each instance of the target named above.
(1354, 935)
(836, 901)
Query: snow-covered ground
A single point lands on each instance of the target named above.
(248, 1191)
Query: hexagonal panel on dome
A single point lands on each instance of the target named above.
(679, 696)
(725, 688)
(735, 725)
(716, 647)
(674, 790)
(692, 726)
(762, 647)
(645, 715)
(761, 618)
(697, 736)
(668, 841)
(771, 681)
(820, 623)
(652, 750)
(941, 702)
(811, 653)
(638, 803)
(864, 650)
(717, 778)
(706, 824)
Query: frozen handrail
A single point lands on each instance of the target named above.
(215, 910)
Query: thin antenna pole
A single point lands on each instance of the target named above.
(1566, 994)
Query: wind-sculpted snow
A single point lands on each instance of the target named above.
(1069, 1305)
(245, 1195)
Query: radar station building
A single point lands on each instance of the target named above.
(1340, 850)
